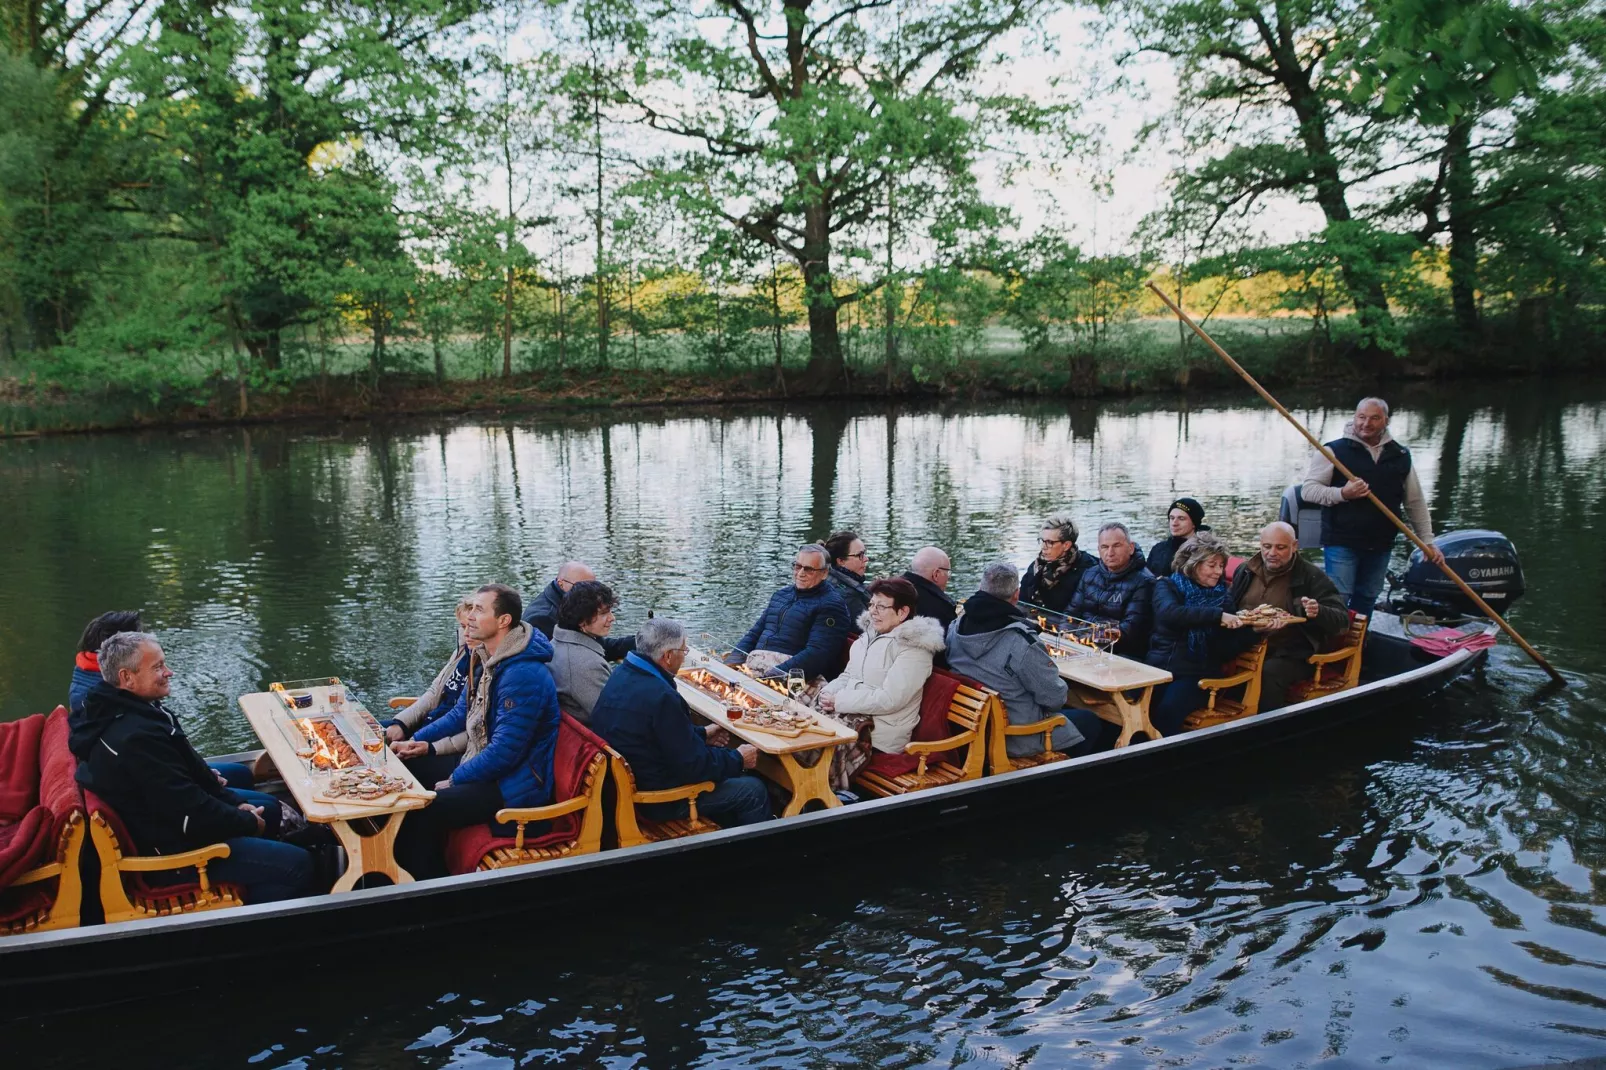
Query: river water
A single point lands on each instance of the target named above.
(1425, 892)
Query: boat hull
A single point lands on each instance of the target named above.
(93, 963)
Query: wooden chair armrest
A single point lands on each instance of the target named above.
(1047, 724)
(937, 745)
(401, 702)
(1217, 683)
(685, 791)
(1337, 655)
(39, 873)
(155, 863)
(524, 815)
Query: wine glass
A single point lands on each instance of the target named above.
(374, 743)
(796, 683)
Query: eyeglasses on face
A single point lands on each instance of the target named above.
(1053, 542)
(798, 566)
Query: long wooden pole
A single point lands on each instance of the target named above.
(1444, 566)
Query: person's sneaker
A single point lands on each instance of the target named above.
(846, 798)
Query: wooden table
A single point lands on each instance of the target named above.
(777, 758)
(367, 852)
(1101, 682)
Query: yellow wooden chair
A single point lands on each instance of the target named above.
(1243, 671)
(998, 735)
(125, 895)
(632, 829)
(1345, 661)
(29, 903)
(965, 719)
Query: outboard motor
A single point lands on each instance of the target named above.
(1485, 559)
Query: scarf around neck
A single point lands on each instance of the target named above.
(1218, 597)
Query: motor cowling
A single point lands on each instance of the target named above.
(1486, 560)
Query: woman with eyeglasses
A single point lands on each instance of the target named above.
(849, 562)
(1051, 580)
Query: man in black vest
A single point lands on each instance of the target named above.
(1357, 538)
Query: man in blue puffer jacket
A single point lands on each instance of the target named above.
(805, 626)
(1118, 591)
(511, 717)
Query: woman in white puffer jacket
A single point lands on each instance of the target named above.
(887, 669)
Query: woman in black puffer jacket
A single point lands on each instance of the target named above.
(1195, 630)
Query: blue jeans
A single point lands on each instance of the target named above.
(266, 869)
(1178, 699)
(1358, 574)
(238, 774)
(272, 811)
(740, 800)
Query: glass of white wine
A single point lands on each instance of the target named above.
(796, 683)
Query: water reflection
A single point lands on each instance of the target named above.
(1426, 891)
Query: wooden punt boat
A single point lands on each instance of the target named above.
(63, 967)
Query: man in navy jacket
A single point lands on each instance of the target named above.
(807, 622)
(643, 717)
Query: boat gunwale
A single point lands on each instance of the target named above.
(1450, 666)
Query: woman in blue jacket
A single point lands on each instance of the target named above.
(1195, 630)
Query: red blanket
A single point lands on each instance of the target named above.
(24, 824)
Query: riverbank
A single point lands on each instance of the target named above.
(982, 371)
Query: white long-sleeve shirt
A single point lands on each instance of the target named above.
(1318, 489)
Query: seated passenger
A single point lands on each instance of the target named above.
(511, 716)
(436, 760)
(849, 562)
(805, 626)
(996, 644)
(543, 612)
(1051, 580)
(579, 664)
(1185, 517)
(1118, 592)
(1278, 576)
(86, 674)
(133, 753)
(1195, 631)
(642, 716)
(929, 571)
(887, 669)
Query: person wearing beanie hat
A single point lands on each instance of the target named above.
(1185, 517)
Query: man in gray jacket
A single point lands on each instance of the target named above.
(996, 644)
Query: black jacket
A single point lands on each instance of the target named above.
(855, 595)
(542, 615)
(1161, 553)
(1174, 618)
(933, 601)
(1307, 581)
(1057, 597)
(133, 754)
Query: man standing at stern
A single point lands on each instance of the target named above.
(1357, 538)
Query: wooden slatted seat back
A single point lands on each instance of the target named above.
(1242, 671)
(49, 894)
(579, 769)
(632, 828)
(126, 893)
(949, 744)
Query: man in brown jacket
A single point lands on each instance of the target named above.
(1278, 576)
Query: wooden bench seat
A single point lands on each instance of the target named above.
(1343, 663)
(632, 829)
(48, 891)
(1243, 671)
(949, 745)
(127, 894)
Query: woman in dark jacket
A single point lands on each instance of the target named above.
(849, 562)
(1051, 580)
(1185, 518)
(1194, 628)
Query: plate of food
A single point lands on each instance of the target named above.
(1265, 614)
(368, 787)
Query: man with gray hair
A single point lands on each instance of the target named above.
(996, 644)
(804, 626)
(133, 753)
(1118, 592)
(1357, 539)
(642, 716)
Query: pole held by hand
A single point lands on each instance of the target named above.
(1444, 566)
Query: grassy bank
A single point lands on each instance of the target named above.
(337, 381)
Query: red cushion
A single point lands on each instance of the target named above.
(1232, 566)
(577, 746)
(24, 845)
(58, 772)
(19, 903)
(19, 766)
(935, 698)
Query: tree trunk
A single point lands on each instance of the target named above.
(1460, 186)
(507, 320)
(825, 370)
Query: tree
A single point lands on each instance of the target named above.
(791, 117)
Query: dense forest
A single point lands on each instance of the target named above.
(213, 203)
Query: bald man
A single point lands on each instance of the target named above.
(1278, 576)
(542, 614)
(930, 571)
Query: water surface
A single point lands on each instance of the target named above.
(1422, 892)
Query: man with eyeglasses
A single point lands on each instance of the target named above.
(542, 614)
(930, 570)
(805, 626)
